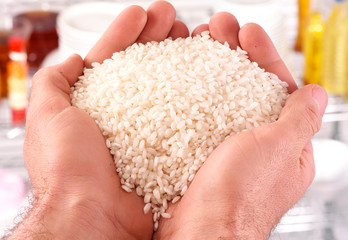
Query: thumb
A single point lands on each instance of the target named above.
(302, 114)
(50, 92)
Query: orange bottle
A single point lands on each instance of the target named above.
(17, 79)
(303, 14)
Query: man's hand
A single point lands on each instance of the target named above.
(254, 177)
(76, 187)
(240, 192)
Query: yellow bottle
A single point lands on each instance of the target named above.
(313, 45)
(335, 59)
(346, 93)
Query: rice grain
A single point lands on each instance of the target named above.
(164, 107)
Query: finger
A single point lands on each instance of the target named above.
(179, 30)
(302, 114)
(160, 19)
(70, 70)
(51, 88)
(260, 48)
(201, 28)
(224, 27)
(122, 33)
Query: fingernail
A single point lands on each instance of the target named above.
(320, 96)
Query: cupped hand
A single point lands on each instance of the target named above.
(71, 169)
(254, 177)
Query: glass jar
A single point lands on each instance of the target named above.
(42, 15)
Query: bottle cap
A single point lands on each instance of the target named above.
(16, 44)
(18, 116)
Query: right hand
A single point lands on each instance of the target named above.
(256, 176)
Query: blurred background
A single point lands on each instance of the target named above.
(310, 35)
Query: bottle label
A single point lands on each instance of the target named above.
(18, 100)
(17, 85)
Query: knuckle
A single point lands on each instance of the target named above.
(49, 76)
(39, 84)
(40, 75)
(312, 118)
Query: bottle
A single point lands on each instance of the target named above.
(303, 12)
(335, 49)
(313, 45)
(17, 72)
(4, 51)
(0, 85)
(43, 38)
(5, 31)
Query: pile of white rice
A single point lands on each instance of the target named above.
(163, 108)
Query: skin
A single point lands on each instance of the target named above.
(253, 178)
(241, 191)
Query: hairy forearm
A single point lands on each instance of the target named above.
(32, 226)
(72, 218)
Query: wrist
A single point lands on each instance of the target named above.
(65, 217)
(76, 216)
(211, 222)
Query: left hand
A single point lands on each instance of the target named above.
(251, 179)
(76, 187)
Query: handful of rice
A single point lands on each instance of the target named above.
(164, 107)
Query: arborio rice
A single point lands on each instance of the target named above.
(163, 108)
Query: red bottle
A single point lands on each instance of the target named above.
(17, 79)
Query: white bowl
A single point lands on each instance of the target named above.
(81, 25)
